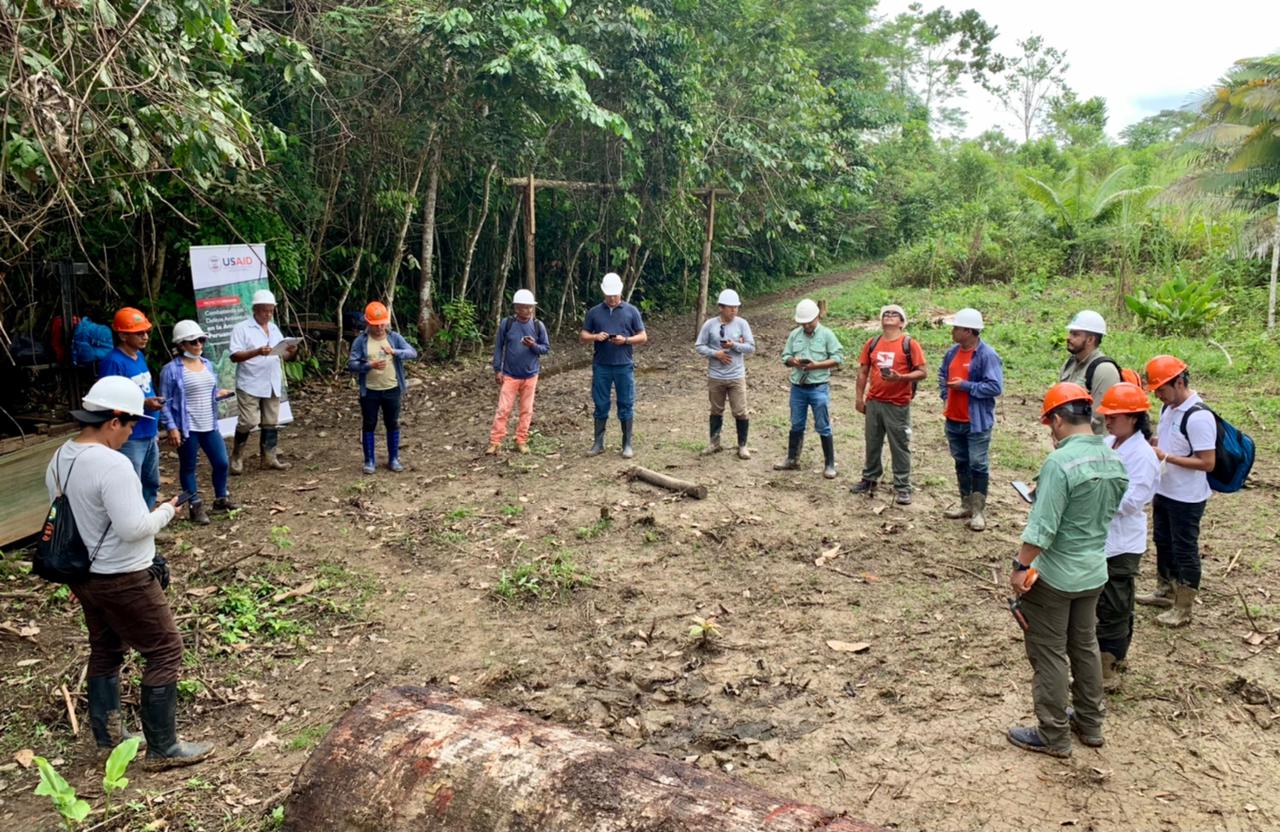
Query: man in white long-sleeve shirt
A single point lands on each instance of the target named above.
(725, 341)
(123, 599)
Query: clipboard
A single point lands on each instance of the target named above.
(281, 348)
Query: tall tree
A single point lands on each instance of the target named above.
(1031, 78)
(1078, 124)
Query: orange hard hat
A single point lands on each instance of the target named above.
(129, 319)
(1060, 394)
(377, 314)
(1163, 369)
(1124, 398)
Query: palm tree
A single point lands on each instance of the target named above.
(1078, 202)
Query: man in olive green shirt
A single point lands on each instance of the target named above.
(1077, 492)
(811, 352)
(1088, 365)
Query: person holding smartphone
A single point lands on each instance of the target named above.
(614, 328)
(132, 334)
(725, 341)
(377, 358)
(518, 348)
(970, 379)
(812, 351)
(190, 418)
(123, 599)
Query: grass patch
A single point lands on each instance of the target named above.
(460, 513)
(542, 578)
(307, 737)
(595, 529)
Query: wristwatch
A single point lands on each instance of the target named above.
(1019, 566)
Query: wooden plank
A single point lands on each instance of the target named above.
(24, 502)
(562, 184)
(704, 275)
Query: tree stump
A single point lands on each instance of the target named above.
(414, 759)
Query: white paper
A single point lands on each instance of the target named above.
(283, 347)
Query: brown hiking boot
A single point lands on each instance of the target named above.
(492, 450)
(1180, 615)
(1110, 672)
(522, 447)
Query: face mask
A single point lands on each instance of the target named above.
(190, 355)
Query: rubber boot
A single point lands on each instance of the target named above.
(1180, 615)
(963, 511)
(225, 504)
(598, 447)
(1110, 672)
(367, 441)
(393, 451)
(237, 452)
(713, 446)
(977, 507)
(159, 723)
(795, 444)
(1161, 596)
(104, 712)
(743, 424)
(828, 457)
(627, 451)
(270, 453)
(196, 512)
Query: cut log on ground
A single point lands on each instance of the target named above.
(415, 759)
(689, 489)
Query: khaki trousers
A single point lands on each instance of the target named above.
(734, 389)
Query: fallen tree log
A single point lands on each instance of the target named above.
(689, 489)
(415, 759)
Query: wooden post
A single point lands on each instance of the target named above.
(704, 277)
(415, 759)
(530, 244)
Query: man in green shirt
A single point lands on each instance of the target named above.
(1088, 366)
(1077, 492)
(811, 352)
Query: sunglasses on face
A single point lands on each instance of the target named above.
(199, 340)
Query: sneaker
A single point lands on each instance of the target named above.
(1092, 740)
(1028, 739)
(867, 487)
(903, 498)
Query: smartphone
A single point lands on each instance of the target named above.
(184, 498)
(1024, 491)
(805, 361)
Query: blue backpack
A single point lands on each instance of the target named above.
(1234, 452)
(90, 343)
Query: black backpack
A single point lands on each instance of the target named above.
(906, 352)
(61, 556)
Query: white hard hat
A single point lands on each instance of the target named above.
(263, 297)
(184, 331)
(612, 284)
(110, 395)
(729, 298)
(1088, 321)
(967, 317)
(524, 297)
(806, 310)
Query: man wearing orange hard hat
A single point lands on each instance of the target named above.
(377, 358)
(132, 333)
(1078, 490)
(1186, 445)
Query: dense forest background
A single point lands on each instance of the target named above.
(369, 145)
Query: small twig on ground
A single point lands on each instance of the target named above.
(966, 570)
(1247, 611)
(71, 710)
(1232, 565)
(238, 560)
(1224, 351)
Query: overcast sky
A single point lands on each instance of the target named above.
(1142, 56)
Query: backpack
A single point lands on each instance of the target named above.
(1233, 452)
(906, 352)
(90, 342)
(502, 337)
(61, 556)
(1128, 375)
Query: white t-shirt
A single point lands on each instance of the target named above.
(1127, 534)
(1184, 484)
(261, 375)
(103, 487)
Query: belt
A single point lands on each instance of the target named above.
(810, 384)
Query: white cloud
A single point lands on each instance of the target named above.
(1142, 56)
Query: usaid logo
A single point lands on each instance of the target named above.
(230, 262)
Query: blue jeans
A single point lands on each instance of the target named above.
(621, 377)
(970, 451)
(385, 401)
(803, 398)
(145, 456)
(215, 449)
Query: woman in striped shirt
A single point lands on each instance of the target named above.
(189, 384)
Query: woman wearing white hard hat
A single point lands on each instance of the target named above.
(1088, 366)
(725, 341)
(517, 352)
(189, 385)
(613, 327)
(259, 381)
(123, 599)
(970, 379)
(812, 351)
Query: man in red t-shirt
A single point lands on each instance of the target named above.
(893, 363)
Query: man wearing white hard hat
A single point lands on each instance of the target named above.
(970, 379)
(259, 381)
(613, 327)
(123, 597)
(725, 341)
(1088, 366)
(517, 352)
(812, 351)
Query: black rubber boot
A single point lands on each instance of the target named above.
(104, 712)
(627, 426)
(743, 452)
(598, 447)
(795, 444)
(828, 457)
(197, 512)
(716, 423)
(237, 452)
(159, 723)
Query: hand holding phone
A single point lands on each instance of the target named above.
(1026, 492)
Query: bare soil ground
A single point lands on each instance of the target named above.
(396, 577)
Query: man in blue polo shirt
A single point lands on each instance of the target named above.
(132, 332)
(614, 326)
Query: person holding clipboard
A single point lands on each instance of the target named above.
(259, 380)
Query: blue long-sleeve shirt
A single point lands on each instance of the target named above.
(358, 360)
(511, 357)
(986, 382)
(708, 344)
